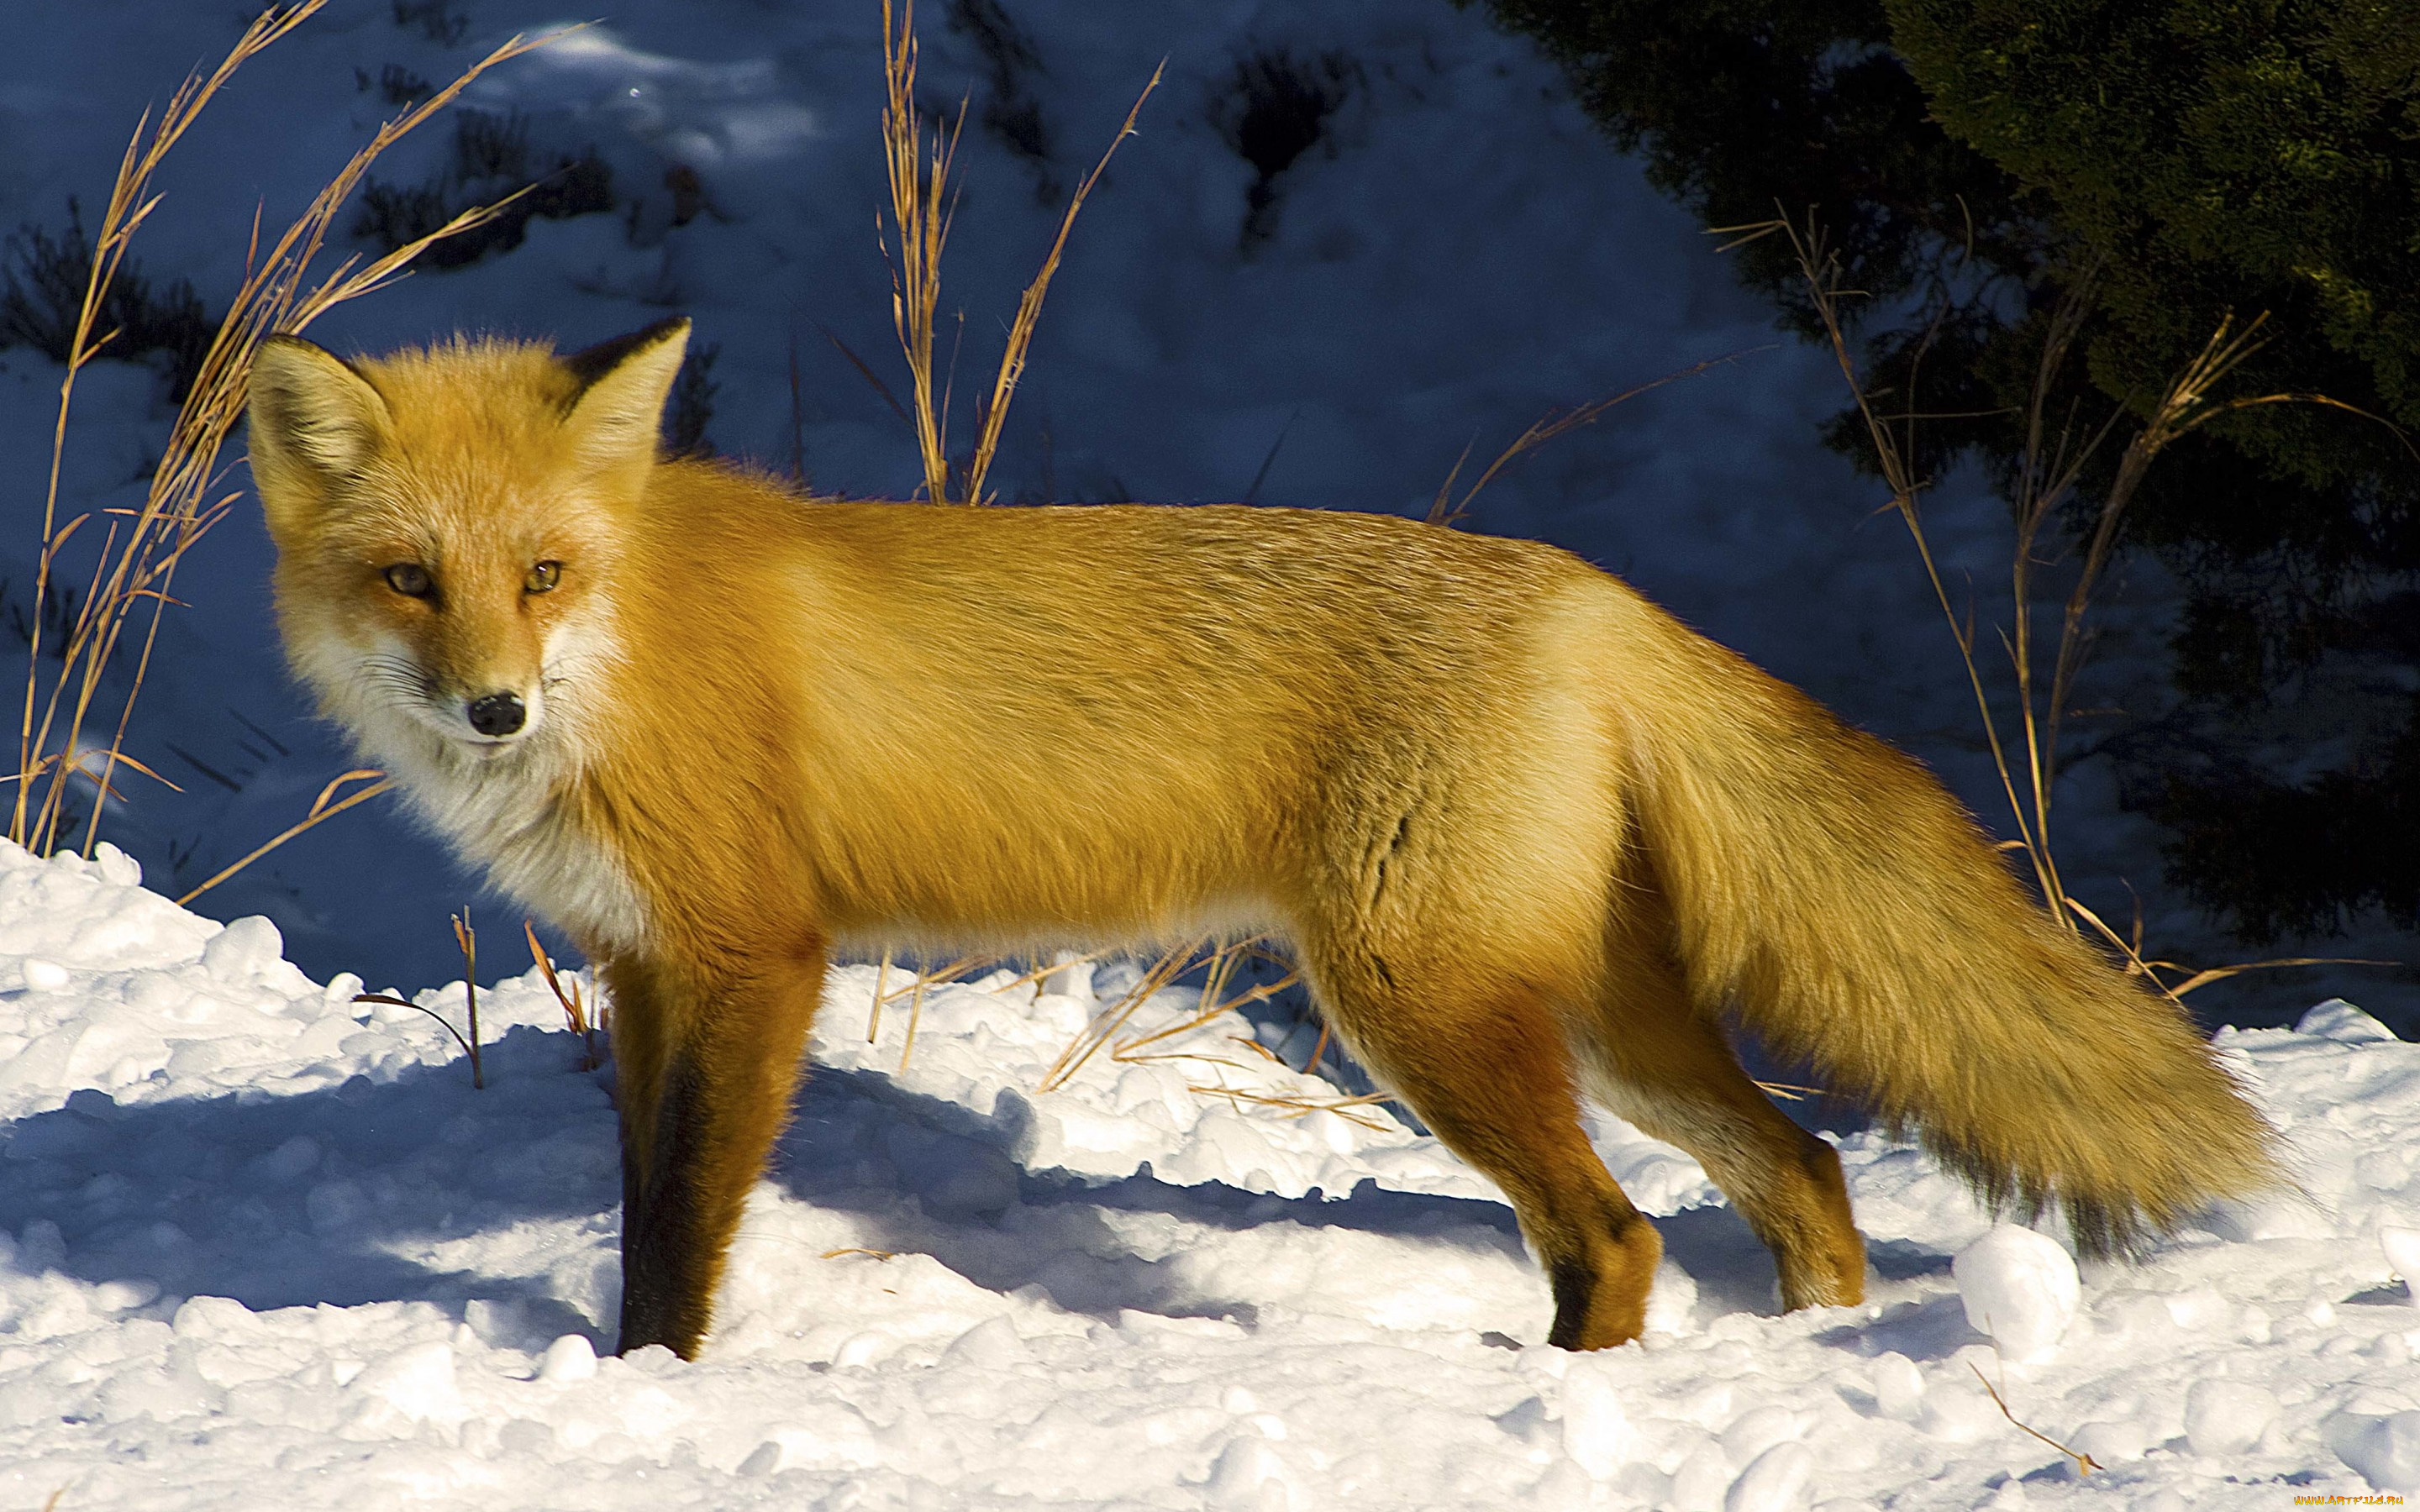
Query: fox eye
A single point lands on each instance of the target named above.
(542, 578)
(410, 579)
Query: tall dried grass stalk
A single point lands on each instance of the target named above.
(1447, 510)
(881, 996)
(1220, 962)
(466, 939)
(578, 1016)
(1821, 269)
(2053, 462)
(920, 212)
(2084, 1463)
(1028, 306)
(140, 552)
(1109, 1020)
(321, 811)
(918, 982)
(915, 1018)
(921, 206)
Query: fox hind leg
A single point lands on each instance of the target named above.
(1486, 1068)
(1667, 1069)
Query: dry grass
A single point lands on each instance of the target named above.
(1297, 1107)
(881, 996)
(322, 809)
(914, 992)
(140, 551)
(921, 207)
(1218, 962)
(2058, 451)
(1447, 510)
(2084, 1463)
(1221, 963)
(579, 1015)
(919, 163)
(1162, 973)
(467, 941)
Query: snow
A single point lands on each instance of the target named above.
(2020, 1287)
(2228, 1418)
(2402, 1247)
(2386, 1450)
(253, 1233)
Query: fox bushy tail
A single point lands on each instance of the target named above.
(1830, 890)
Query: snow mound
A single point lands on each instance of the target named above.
(1199, 1106)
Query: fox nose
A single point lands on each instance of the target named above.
(498, 714)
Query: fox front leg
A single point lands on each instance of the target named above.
(706, 1064)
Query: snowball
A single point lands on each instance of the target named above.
(2112, 1443)
(239, 952)
(1564, 1488)
(1672, 1302)
(2386, 1450)
(1960, 1416)
(412, 1386)
(568, 1358)
(118, 866)
(289, 1161)
(1898, 1387)
(1704, 1476)
(1778, 1481)
(1760, 1428)
(45, 976)
(118, 1296)
(2225, 1417)
(210, 1318)
(993, 1344)
(1597, 1431)
(1249, 1475)
(2402, 1247)
(2020, 1287)
(1074, 978)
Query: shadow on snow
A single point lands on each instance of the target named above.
(353, 1193)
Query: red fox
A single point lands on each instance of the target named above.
(1529, 837)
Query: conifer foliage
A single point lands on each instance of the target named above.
(1973, 160)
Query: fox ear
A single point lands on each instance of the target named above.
(623, 386)
(312, 413)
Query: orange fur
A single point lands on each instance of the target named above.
(1530, 837)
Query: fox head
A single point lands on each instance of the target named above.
(448, 524)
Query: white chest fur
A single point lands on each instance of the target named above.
(500, 809)
(505, 816)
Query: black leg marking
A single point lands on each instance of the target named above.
(660, 1259)
(1574, 1284)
